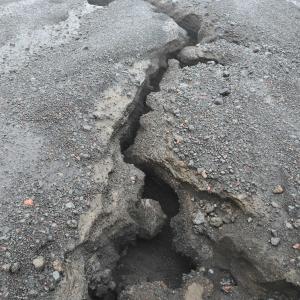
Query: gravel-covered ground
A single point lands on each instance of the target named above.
(224, 132)
(68, 71)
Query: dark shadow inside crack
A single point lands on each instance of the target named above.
(192, 24)
(99, 2)
(155, 259)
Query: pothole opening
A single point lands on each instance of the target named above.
(156, 259)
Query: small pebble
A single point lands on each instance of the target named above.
(57, 266)
(226, 74)
(87, 127)
(199, 218)
(278, 189)
(275, 241)
(225, 92)
(72, 223)
(39, 263)
(218, 101)
(297, 223)
(15, 267)
(70, 205)
(216, 221)
(274, 204)
(6, 267)
(56, 275)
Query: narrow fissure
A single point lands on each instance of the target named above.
(150, 85)
(156, 259)
(152, 260)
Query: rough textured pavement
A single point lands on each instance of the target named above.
(61, 64)
(229, 127)
(220, 139)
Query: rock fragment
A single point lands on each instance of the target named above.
(199, 218)
(56, 276)
(274, 204)
(86, 127)
(70, 205)
(57, 265)
(218, 101)
(150, 217)
(28, 202)
(225, 92)
(39, 263)
(193, 54)
(209, 208)
(33, 293)
(275, 241)
(226, 74)
(6, 267)
(72, 224)
(288, 225)
(216, 222)
(278, 189)
(296, 246)
(15, 267)
(297, 223)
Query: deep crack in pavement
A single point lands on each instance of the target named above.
(187, 196)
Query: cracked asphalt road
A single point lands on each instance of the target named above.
(69, 75)
(60, 63)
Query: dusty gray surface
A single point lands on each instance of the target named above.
(224, 137)
(61, 61)
(232, 129)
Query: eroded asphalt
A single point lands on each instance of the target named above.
(69, 74)
(60, 60)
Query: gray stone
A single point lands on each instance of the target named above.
(274, 232)
(199, 218)
(70, 205)
(209, 208)
(279, 189)
(15, 267)
(72, 224)
(56, 275)
(288, 225)
(297, 223)
(87, 127)
(225, 92)
(275, 241)
(39, 263)
(274, 204)
(33, 293)
(6, 267)
(150, 218)
(216, 221)
(226, 74)
(85, 155)
(193, 54)
(218, 101)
